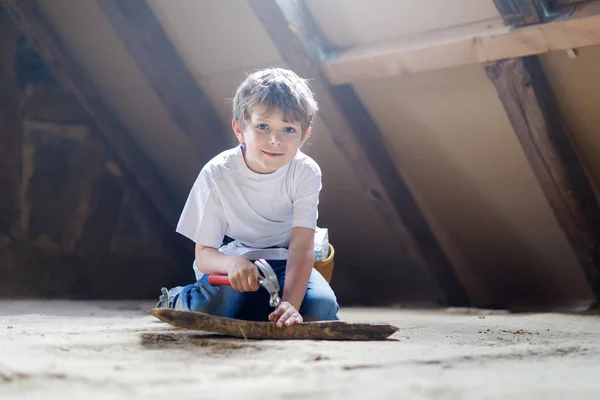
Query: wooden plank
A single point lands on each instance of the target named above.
(518, 12)
(145, 39)
(524, 91)
(475, 43)
(143, 182)
(318, 330)
(294, 33)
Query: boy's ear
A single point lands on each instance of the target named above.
(306, 135)
(237, 129)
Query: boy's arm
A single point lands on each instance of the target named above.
(301, 257)
(211, 261)
(243, 275)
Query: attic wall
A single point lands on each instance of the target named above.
(219, 57)
(446, 129)
(352, 22)
(90, 37)
(449, 134)
(67, 226)
(452, 141)
(576, 88)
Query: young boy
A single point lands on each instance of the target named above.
(259, 201)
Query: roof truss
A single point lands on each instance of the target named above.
(160, 62)
(475, 43)
(524, 91)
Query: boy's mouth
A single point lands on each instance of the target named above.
(273, 154)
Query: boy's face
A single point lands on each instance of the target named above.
(270, 142)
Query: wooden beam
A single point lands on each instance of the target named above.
(518, 12)
(145, 39)
(475, 43)
(143, 181)
(295, 34)
(524, 92)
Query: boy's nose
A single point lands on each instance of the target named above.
(275, 138)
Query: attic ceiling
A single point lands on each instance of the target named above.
(446, 130)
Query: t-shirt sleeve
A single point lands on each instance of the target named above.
(306, 201)
(203, 219)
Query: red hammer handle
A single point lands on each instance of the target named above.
(219, 280)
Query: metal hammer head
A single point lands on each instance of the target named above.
(269, 282)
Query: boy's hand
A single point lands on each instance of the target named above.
(243, 275)
(286, 314)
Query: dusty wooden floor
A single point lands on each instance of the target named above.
(75, 350)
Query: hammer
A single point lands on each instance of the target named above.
(269, 282)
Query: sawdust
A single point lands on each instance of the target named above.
(320, 357)
(220, 346)
(485, 358)
(518, 332)
(360, 366)
(8, 377)
(64, 350)
(527, 354)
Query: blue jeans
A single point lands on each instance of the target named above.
(319, 304)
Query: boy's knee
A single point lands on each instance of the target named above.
(221, 301)
(320, 307)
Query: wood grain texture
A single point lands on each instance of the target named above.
(158, 59)
(153, 196)
(323, 330)
(524, 91)
(302, 47)
(475, 43)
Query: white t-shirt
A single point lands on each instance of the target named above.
(258, 211)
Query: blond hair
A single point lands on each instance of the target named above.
(276, 89)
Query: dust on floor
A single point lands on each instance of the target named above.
(113, 350)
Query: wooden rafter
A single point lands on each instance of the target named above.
(158, 59)
(297, 38)
(475, 43)
(524, 91)
(144, 183)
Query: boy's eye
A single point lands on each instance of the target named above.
(289, 129)
(261, 126)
